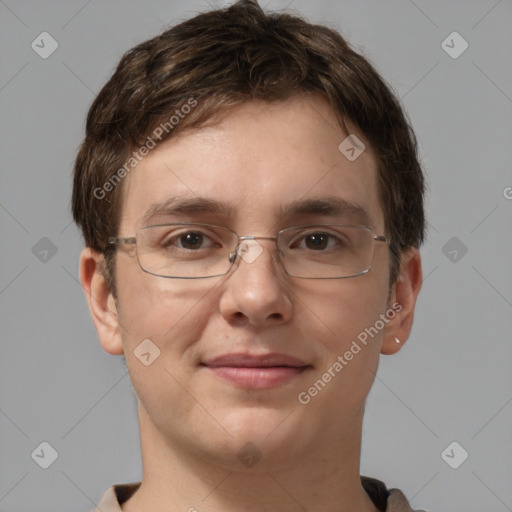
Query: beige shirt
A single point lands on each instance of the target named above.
(386, 500)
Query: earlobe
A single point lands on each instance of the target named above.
(101, 301)
(403, 301)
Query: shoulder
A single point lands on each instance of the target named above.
(116, 495)
(387, 500)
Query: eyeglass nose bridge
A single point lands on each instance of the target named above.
(233, 255)
(251, 237)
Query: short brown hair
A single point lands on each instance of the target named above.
(220, 59)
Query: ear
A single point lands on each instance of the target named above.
(101, 301)
(403, 301)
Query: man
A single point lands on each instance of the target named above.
(252, 207)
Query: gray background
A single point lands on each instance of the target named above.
(451, 382)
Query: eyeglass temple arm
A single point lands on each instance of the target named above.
(122, 240)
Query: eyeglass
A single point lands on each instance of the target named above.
(194, 251)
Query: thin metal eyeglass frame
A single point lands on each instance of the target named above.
(232, 256)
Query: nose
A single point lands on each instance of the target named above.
(255, 290)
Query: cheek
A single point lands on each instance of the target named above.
(342, 311)
(349, 336)
(172, 313)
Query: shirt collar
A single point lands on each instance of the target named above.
(387, 500)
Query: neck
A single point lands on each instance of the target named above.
(323, 478)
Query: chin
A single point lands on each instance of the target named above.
(271, 430)
(257, 452)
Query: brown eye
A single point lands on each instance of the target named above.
(317, 241)
(191, 240)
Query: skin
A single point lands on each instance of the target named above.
(192, 423)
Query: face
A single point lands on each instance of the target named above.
(258, 160)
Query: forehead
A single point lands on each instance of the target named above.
(262, 165)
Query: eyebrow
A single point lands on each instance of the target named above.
(325, 206)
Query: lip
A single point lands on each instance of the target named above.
(254, 361)
(256, 371)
